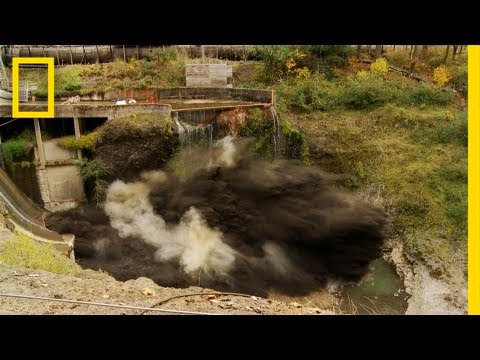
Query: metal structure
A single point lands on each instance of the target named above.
(26, 87)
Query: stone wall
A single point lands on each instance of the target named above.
(204, 75)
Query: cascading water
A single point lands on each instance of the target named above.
(177, 124)
(190, 135)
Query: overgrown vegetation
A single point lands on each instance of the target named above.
(291, 142)
(453, 66)
(159, 70)
(417, 157)
(93, 173)
(16, 150)
(22, 251)
(366, 91)
(299, 61)
(86, 142)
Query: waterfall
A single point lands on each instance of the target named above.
(190, 135)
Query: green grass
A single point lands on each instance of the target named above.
(417, 155)
(358, 93)
(22, 251)
(163, 69)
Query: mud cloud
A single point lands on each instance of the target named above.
(237, 223)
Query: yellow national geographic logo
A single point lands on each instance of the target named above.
(16, 113)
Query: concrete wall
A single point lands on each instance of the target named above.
(26, 180)
(205, 75)
(111, 112)
(199, 116)
(250, 95)
(54, 152)
(95, 110)
(59, 181)
(64, 183)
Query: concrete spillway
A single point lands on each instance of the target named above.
(28, 218)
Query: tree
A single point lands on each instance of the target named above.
(455, 48)
(378, 51)
(424, 52)
(446, 54)
(414, 56)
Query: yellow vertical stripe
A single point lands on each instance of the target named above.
(473, 179)
(15, 87)
(50, 113)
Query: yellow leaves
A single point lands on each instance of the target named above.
(290, 64)
(362, 74)
(298, 54)
(379, 67)
(302, 74)
(441, 76)
(293, 66)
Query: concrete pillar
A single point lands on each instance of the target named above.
(76, 125)
(38, 135)
(43, 185)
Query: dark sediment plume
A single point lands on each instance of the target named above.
(245, 225)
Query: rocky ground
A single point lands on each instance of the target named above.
(430, 294)
(93, 286)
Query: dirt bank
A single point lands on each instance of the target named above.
(99, 287)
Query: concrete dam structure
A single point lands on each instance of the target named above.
(27, 218)
(57, 172)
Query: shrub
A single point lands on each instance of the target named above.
(329, 56)
(425, 94)
(15, 150)
(362, 74)
(399, 57)
(86, 142)
(93, 169)
(93, 173)
(28, 135)
(311, 94)
(302, 74)
(441, 76)
(365, 93)
(460, 78)
(274, 59)
(379, 67)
